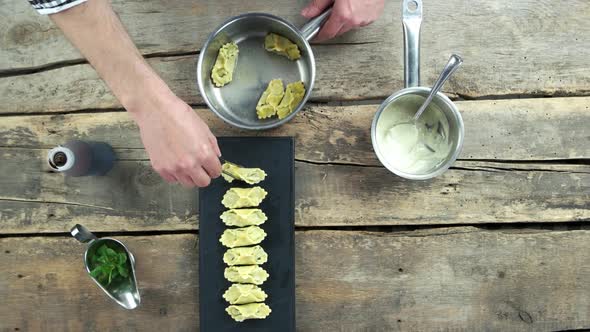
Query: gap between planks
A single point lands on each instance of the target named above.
(7, 73)
(75, 62)
(489, 168)
(397, 230)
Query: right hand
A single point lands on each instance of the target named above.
(180, 145)
(346, 15)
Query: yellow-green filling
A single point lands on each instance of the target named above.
(243, 217)
(245, 256)
(293, 96)
(223, 70)
(270, 99)
(236, 198)
(240, 237)
(244, 293)
(247, 274)
(248, 175)
(282, 46)
(248, 311)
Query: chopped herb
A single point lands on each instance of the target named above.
(109, 265)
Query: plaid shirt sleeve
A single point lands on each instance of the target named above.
(45, 7)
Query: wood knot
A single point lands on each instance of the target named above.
(26, 33)
(525, 317)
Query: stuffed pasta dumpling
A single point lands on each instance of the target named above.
(243, 217)
(243, 197)
(242, 312)
(247, 274)
(245, 256)
(241, 237)
(282, 46)
(293, 96)
(244, 293)
(248, 175)
(223, 69)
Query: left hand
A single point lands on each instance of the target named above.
(346, 15)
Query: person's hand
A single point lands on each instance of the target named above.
(346, 15)
(180, 145)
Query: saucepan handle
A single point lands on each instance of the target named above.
(312, 27)
(82, 234)
(411, 20)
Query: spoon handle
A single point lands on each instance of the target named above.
(454, 62)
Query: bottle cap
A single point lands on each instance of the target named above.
(61, 159)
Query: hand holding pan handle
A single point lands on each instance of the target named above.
(312, 27)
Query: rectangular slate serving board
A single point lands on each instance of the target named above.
(275, 155)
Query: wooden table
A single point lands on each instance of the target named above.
(499, 242)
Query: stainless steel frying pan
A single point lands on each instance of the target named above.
(236, 102)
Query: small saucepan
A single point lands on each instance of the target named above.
(442, 116)
(236, 102)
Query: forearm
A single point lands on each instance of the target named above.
(95, 29)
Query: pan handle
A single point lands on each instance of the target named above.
(312, 27)
(411, 20)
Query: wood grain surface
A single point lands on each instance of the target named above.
(133, 197)
(502, 55)
(460, 279)
(515, 129)
(497, 243)
(519, 164)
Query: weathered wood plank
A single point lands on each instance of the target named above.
(461, 279)
(503, 56)
(156, 26)
(79, 87)
(518, 129)
(133, 197)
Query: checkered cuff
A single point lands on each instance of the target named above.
(45, 7)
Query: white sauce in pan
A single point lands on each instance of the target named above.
(413, 148)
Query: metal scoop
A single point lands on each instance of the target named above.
(452, 65)
(227, 172)
(125, 292)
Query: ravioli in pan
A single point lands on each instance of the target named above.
(294, 94)
(246, 274)
(282, 46)
(245, 256)
(223, 69)
(243, 217)
(270, 99)
(236, 198)
(241, 312)
(241, 237)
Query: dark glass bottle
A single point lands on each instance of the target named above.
(82, 158)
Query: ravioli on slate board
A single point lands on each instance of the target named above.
(275, 155)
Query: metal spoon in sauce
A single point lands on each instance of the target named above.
(409, 129)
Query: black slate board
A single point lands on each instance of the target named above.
(275, 155)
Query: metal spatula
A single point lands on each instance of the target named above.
(229, 173)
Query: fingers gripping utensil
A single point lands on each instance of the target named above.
(236, 102)
(126, 292)
(411, 98)
(229, 172)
